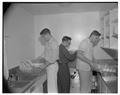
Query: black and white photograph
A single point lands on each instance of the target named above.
(60, 47)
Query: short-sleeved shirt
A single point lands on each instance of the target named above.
(87, 47)
(51, 50)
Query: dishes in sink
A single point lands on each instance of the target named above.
(38, 65)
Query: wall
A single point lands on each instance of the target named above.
(19, 36)
(76, 25)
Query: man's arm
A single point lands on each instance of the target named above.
(83, 58)
(83, 47)
(69, 56)
(92, 64)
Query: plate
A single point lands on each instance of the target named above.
(38, 64)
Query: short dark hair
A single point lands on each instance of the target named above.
(45, 31)
(96, 33)
(66, 38)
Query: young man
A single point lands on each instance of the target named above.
(64, 58)
(51, 52)
(85, 61)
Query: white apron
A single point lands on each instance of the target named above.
(52, 78)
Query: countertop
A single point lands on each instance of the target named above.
(22, 85)
(109, 74)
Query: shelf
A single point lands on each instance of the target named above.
(107, 37)
(115, 35)
(112, 52)
(115, 21)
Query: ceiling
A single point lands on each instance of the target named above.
(57, 8)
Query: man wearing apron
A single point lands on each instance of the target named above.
(85, 61)
(51, 52)
(64, 58)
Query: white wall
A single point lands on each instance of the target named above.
(76, 25)
(19, 36)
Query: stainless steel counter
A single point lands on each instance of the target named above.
(108, 77)
(24, 86)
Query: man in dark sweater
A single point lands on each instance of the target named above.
(65, 57)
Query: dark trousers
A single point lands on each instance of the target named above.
(63, 78)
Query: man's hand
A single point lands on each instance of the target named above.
(79, 51)
(71, 52)
(48, 63)
(95, 67)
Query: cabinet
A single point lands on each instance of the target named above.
(114, 28)
(109, 28)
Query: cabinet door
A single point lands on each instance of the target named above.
(114, 28)
(106, 31)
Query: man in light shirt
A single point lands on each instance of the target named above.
(85, 61)
(51, 52)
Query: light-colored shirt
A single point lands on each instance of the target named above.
(87, 48)
(51, 50)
